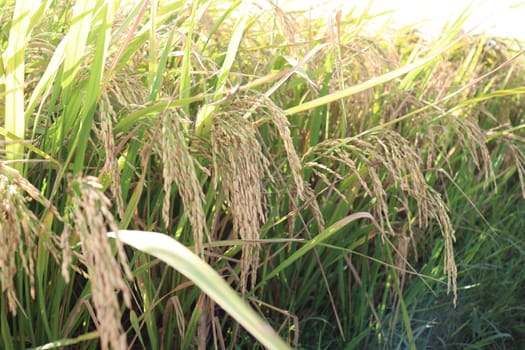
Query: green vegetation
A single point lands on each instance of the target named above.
(356, 190)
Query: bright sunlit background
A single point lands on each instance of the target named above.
(502, 18)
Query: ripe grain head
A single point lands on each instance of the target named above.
(89, 215)
(19, 229)
(240, 167)
(178, 166)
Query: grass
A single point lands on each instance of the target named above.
(356, 190)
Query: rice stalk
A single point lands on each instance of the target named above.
(282, 124)
(267, 109)
(105, 132)
(178, 166)
(390, 155)
(239, 166)
(516, 158)
(18, 230)
(472, 139)
(89, 216)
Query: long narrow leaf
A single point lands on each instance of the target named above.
(14, 61)
(361, 87)
(190, 265)
(94, 86)
(325, 234)
(205, 115)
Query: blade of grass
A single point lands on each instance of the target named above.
(29, 146)
(338, 95)
(314, 242)
(190, 265)
(153, 44)
(14, 70)
(204, 118)
(68, 341)
(185, 83)
(220, 21)
(75, 47)
(94, 87)
(45, 83)
(160, 67)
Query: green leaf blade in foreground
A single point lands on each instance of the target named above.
(190, 265)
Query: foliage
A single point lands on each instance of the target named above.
(343, 183)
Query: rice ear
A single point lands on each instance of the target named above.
(89, 216)
(239, 168)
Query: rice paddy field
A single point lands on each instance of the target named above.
(228, 175)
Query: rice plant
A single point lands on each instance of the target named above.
(344, 188)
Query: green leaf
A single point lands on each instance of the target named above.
(354, 89)
(190, 265)
(14, 60)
